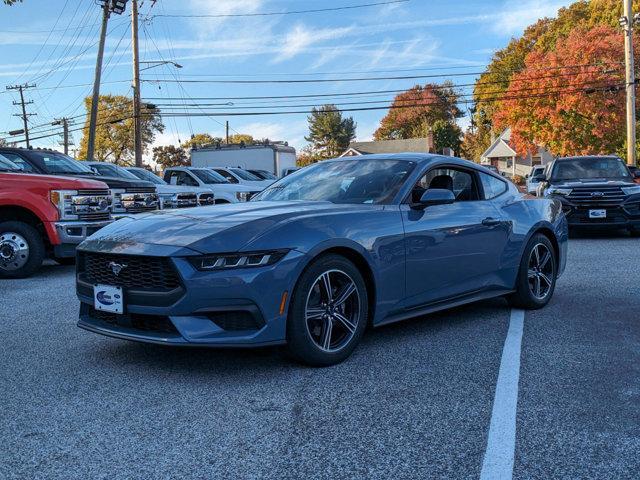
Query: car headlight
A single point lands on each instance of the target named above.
(226, 261)
(631, 190)
(72, 206)
(559, 191)
(243, 196)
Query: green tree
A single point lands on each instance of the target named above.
(415, 112)
(446, 135)
(200, 140)
(114, 131)
(170, 156)
(241, 137)
(329, 133)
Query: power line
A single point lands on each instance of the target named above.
(329, 80)
(271, 14)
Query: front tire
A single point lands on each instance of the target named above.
(21, 250)
(536, 279)
(328, 312)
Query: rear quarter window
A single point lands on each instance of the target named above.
(492, 186)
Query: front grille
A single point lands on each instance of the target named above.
(592, 196)
(140, 190)
(94, 216)
(141, 273)
(147, 323)
(94, 192)
(205, 199)
(236, 320)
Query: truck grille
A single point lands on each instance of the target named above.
(187, 200)
(591, 196)
(94, 192)
(155, 274)
(95, 216)
(140, 190)
(205, 199)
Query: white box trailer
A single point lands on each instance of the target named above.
(273, 157)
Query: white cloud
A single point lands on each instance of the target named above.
(302, 37)
(516, 15)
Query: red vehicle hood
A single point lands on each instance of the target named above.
(52, 181)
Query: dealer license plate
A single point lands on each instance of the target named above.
(597, 214)
(108, 298)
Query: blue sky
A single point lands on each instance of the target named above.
(53, 43)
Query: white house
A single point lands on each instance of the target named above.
(502, 156)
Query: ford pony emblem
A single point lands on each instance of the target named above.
(116, 268)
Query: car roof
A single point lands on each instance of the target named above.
(579, 157)
(421, 158)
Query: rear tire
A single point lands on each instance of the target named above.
(324, 328)
(21, 250)
(536, 279)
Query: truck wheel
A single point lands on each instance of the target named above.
(21, 250)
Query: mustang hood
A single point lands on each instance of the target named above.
(217, 229)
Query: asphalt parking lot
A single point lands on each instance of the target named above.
(415, 401)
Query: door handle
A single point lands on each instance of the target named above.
(491, 222)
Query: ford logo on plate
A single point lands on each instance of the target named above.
(104, 298)
(597, 194)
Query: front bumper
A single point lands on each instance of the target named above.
(623, 215)
(220, 308)
(72, 233)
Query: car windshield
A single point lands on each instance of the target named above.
(54, 162)
(209, 177)
(7, 165)
(244, 175)
(589, 167)
(342, 181)
(110, 170)
(143, 174)
(264, 174)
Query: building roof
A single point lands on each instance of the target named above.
(500, 146)
(414, 145)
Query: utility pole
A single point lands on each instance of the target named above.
(628, 22)
(65, 133)
(22, 103)
(137, 126)
(108, 6)
(93, 119)
(226, 129)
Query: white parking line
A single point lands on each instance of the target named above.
(501, 444)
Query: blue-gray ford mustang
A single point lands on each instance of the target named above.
(321, 254)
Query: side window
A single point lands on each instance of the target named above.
(461, 182)
(21, 162)
(188, 180)
(492, 186)
(227, 175)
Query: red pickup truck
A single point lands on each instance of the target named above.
(46, 216)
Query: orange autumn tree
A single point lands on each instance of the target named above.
(419, 109)
(570, 111)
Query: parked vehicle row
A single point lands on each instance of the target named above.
(49, 202)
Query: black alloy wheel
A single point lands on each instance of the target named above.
(328, 312)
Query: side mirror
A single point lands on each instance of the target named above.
(539, 178)
(434, 196)
(636, 174)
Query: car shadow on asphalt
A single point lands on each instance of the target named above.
(598, 234)
(202, 360)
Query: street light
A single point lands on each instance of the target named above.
(157, 63)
